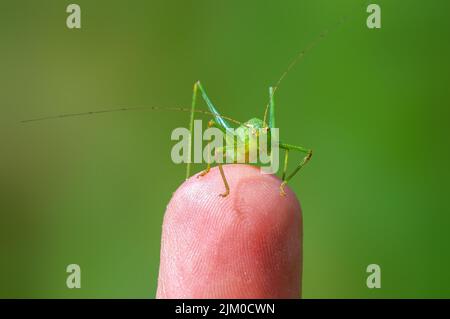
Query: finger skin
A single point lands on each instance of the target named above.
(246, 245)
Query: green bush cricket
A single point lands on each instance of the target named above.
(246, 130)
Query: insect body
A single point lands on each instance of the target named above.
(247, 130)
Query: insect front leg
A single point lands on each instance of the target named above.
(221, 152)
(218, 152)
(305, 160)
(224, 179)
(208, 165)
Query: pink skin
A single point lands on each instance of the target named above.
(247, 245)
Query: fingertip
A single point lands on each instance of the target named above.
(247, 245)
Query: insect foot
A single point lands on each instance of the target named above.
(282, 192)
(206, 171)
(227, 192)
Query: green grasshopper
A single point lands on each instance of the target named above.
(247, 129)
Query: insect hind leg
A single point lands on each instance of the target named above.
(304, 161)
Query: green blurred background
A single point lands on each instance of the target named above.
(373, 104)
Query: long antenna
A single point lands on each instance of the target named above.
(123, 109)
(299, 56)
